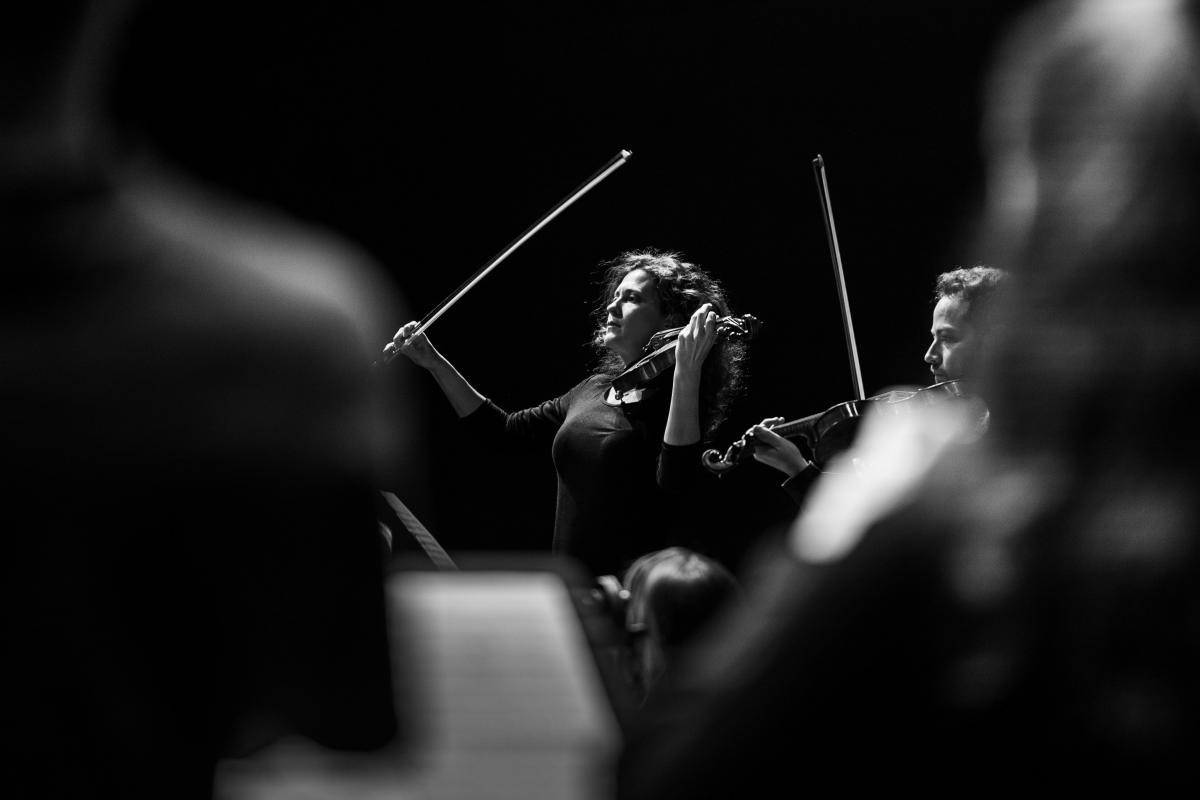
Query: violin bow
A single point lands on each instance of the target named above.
(390, 351)
(836, 253)
(712, 459)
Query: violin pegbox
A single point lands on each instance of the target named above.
(745, 326)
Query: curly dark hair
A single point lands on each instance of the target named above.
(680, 287)
(978, 287)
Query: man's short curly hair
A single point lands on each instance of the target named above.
(977, 286)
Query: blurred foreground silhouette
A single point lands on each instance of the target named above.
(1022, 611)
(194, 439)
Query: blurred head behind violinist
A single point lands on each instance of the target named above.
(645, 291)
(1094, 195)
(675, 594)
(1084, 489)
(1092, 130)
(962, 320)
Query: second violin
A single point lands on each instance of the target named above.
(829, 432)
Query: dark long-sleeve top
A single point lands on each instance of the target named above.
(619, 485)
(798, 486)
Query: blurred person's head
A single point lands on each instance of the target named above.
(56, 59)
(962, 320)
(674, 594)
(1082, 520)
(1092, 141)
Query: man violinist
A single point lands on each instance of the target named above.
(961, 328)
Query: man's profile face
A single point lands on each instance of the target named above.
(956, 344)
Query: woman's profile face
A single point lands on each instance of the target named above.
(633, 315)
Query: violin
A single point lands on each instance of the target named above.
(829, 432)
(659, 352)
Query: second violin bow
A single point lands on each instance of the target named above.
(840, 276)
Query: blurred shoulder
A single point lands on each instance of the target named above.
(293, 273)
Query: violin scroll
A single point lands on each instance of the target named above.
(804, 429)
(737, 452)
(718, 464)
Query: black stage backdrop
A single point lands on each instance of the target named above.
(434, 137)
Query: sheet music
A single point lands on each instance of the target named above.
(497, 691)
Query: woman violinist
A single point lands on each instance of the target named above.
(623, 463)
(961, 328)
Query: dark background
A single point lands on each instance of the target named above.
(432, 136)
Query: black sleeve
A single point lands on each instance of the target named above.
(540, 421)
(799, 485)
(678, 466)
